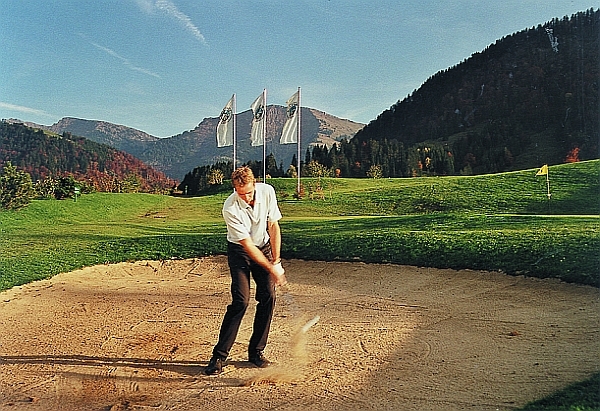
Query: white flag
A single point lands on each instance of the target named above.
(257, 137)
(226, 124)
(290, 128)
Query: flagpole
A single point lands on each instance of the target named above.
(234, 134)
(544, 171)
(298, 139)
(265, 137)
(548, 185)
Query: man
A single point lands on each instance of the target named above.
(253, 247)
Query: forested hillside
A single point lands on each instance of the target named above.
(43, 154)
(180, 154)
(177, 155)
(531, 98)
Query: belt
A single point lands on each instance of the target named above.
(260, 247)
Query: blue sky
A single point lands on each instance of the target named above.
(161, 66)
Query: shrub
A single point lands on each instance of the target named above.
(16, 188)
(65, 188)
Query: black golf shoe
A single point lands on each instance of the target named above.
(215, 366)
(259, 360)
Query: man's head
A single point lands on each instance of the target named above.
(243, 182)
(242, 176)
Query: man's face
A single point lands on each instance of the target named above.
(246, 192)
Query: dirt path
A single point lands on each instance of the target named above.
(136, 336)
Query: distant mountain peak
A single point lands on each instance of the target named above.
(180, 154)
(101, 131)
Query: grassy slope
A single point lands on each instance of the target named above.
(493, 222)
(50, 236)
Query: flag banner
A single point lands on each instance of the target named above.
(226, 124)
(543, 171)
(257, 137)
(290, 128)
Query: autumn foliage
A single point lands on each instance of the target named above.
(96, 166)
(573, 156)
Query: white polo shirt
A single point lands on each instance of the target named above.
(244, 221)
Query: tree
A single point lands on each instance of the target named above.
(374, 171)
(65, 188)
(16, 188)
(316, 169)
(131, 183)
(272, 169)
(292, 172)
(45, 188)
(215, 177)
(307, 157)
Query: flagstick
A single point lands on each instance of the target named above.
(234, 135)
(548, 185)
(298, 138)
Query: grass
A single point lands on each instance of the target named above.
(492, 222)
(536, 246)
(582, 396)
(50, 236)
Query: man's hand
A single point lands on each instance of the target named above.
(278, 274)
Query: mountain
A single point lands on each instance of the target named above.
(530, 98)
(179, 154)
(44, 154)
(117, 136)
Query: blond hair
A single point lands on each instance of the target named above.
(242, 176)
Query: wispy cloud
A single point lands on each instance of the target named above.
(170, 9)
(125, 61)
(25, 110)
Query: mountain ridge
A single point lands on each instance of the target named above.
(528, 99)
(46, 155)
(179, 154)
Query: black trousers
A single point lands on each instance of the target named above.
(240, 267)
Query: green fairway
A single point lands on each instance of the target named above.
(493, 222)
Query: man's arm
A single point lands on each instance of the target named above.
(257, 255)
(275, 239)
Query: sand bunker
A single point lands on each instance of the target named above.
(137, 336)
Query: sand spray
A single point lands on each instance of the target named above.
(294, 367)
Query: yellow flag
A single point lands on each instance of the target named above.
(543, 171)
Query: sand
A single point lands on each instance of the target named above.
(137, 336)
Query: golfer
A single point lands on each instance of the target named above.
(253, 247)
